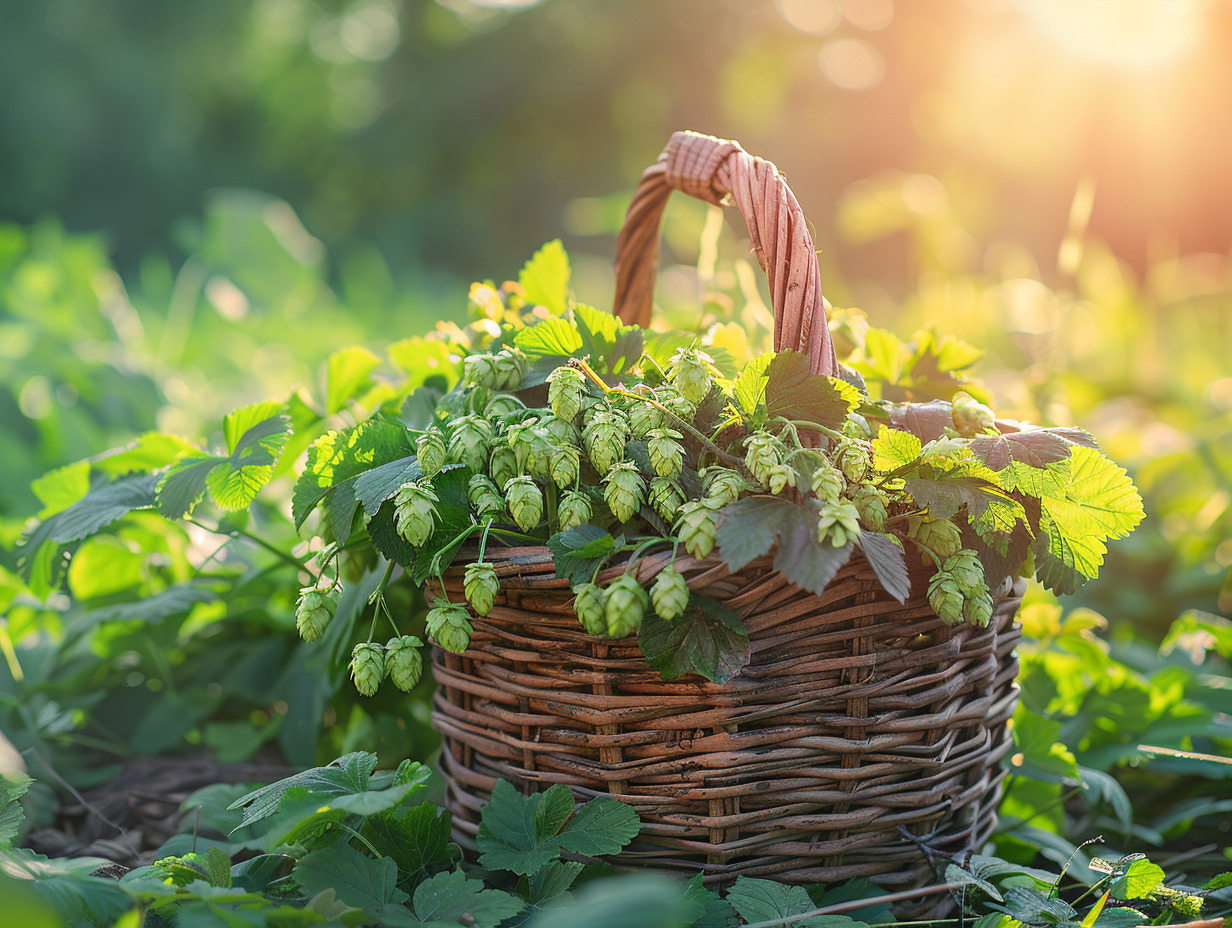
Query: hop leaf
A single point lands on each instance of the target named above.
(940, 536)
(692, 371)
(471, 441)
(643, 419)
(564, 465)
(479, 370)
(313, 613)
(696, 527)
(624, 490)
(404, 662)
(838, 523)
(946, 598)
(605, 437)
(480, 586)
(624, 606)
(565, 392)
(525, 502)
(827, 482)
(666, 498)
(666, 452)
(503, 464)
(972, 418)
(509, 366)
(669, 594)
(589, 608)
(871, 503)
(723, 485)
(367, 667)
(415, 512)
(573, 509)
(449, 626)
(432, 453)
(485, 497)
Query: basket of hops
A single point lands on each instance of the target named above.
(770, 611)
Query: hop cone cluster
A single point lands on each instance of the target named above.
(827, 482)
(432, 453)
(643, 419)
(940, 536)
(958, 592)
(692, 372)
(696, 527)
(573, 509)
(485, 497)
(471, 441)
(605, 436)
(565, 392)
(838, 523)
(723, 485)
(666, 498)
(870, 502)
(666, 452)
(972, 418)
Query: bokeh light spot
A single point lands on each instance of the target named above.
(1136, 34)
(851, 64)
(869, 15)
(816, 17)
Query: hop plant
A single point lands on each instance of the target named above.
(940, 536)
(780, 477)
(669, 594)
(624, 606)
(367, 667)
(946, 598)
(666, 498)
(480, 586)
(827, 483)
(415, 512)
(643, 419)
(525, 502)
(501, 405)
(666, 452)
(871, 503)
(564, 465)
(404, 662)
(449, 626)
(838, 523)
(624, 490)
(471, 441)
(971, 417)
(565, 392)
(964, 566)
(696, 527)
(530, 447)
(589, 607)
(509, 366)
(605, 437)
(692, 372)
(502, 464)
(762, 452)
(573, 509)
(672, 400)
(484, 496)
(852, 459)
(857, 427)
(723, 485)
(557, 431)
(431, 452)
(479, 370)
(313, 612)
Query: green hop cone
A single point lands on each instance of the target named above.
(509, 367)
(723, 485)
(367, 667)
(643, 419)
(432, 453)
(692, 372)
(501, 405)
(941, 536)
(624, 490)
(666, 452)
(624, 606)
(676, 403)
(781, 476)
(564, 465)
(696, 527)
(565, 392)
(666, 498)
(525, 501)
(946, 598)
(480, 586)
(471, 441)
(762, 452)
(415, 512)
(313, 613)
(838, 523)
(479, 370)
(857, 427)
(605, 437)
(573, 509)
(870, 502)
(965, 567)
(971, 417)
(530, 447)
(827, 483)
(404, 662)
(450, 626)
(502, 464)
(977, 606)
(669, 594)
(588, 606)
(558, 431)
(484, 496)
(852, 459)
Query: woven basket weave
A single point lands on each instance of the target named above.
(863, 734)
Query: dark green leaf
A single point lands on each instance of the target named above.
(643, 900)
(356, 879)
(956, 874)
(709, 639)
(343, 776)
(340, 456)
(888, 563)
(450, 898)
(415, 838)
(763, 900)
(373, 487)
(552, 880)
(749, 528)
(716, 911)
(1032, 907)
(576, 551)
(794, 393)
(807, 563)
(183, 484)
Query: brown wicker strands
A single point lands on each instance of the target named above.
(858, 722)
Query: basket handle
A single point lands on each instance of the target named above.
(720, 171)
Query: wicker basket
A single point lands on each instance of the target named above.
(863, 734)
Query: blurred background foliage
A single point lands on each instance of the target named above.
(202, 200)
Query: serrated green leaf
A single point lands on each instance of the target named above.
(233, 488)
(346, 775)
(804, 561)
(749, 390)
(749, 528)
(576, 551)
(554, 337)
(450, 898)
(183, 484)
(1135, 878)
(552, 881)
(373, 487)
(60, 488)
(357, 879)
(341, 456)
(893, 448)
(708, 639)
(1032, 907)
(237, 423)
(13, 785)
(956, 874)
(765, 900)
(792, 392)
(416, 838)
(888, 563)
(1044, 757)
(545, 277)
(348, 373)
